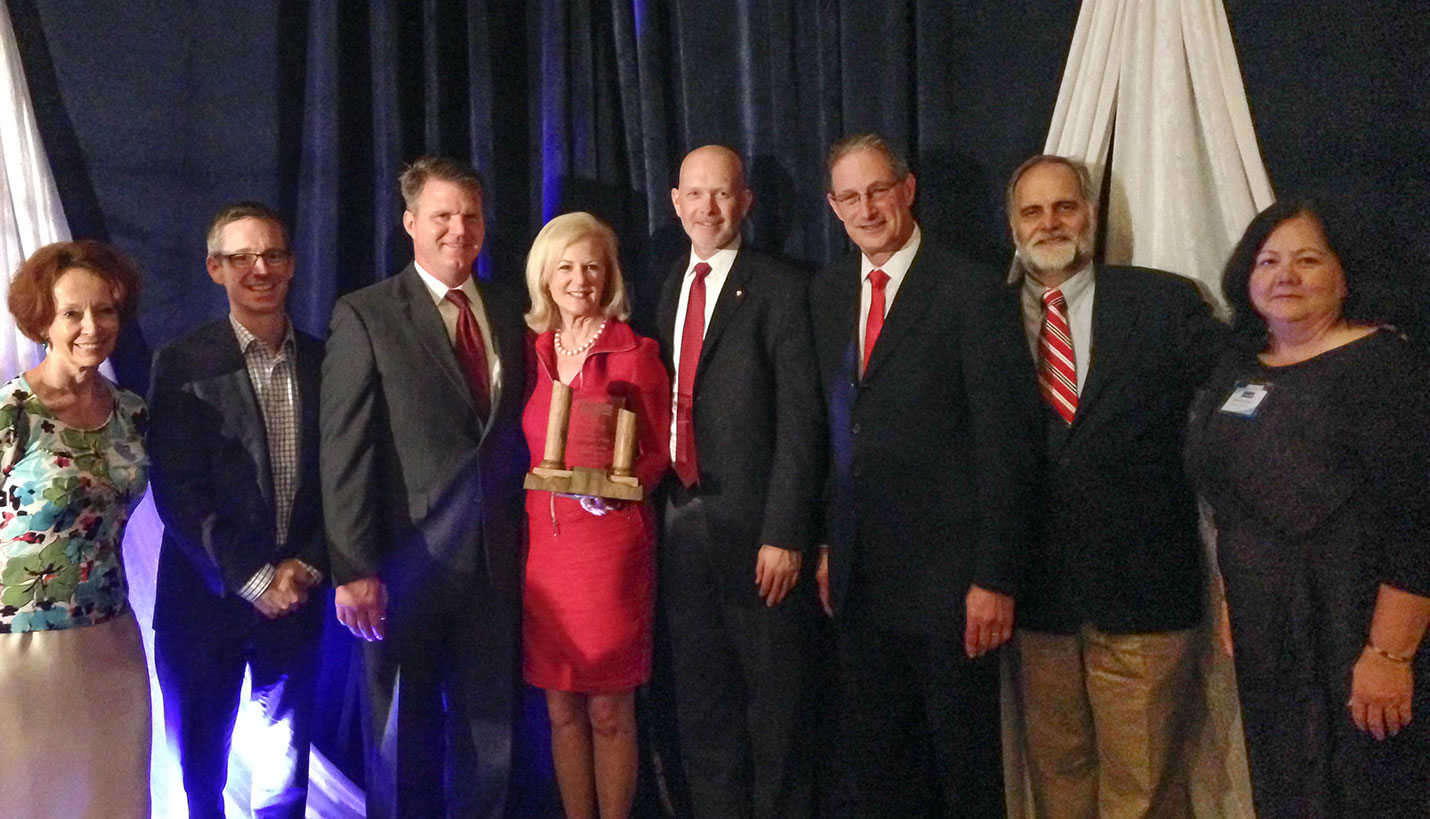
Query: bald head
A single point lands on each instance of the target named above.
(711, 199)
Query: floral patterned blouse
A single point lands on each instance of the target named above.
(67, 495)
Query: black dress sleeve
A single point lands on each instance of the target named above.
(1391, 432)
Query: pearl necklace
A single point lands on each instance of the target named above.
(584, 347)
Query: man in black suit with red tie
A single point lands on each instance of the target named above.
(747, 444)
(931, 469)
(1106, 645)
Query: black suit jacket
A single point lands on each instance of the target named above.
(758, 416)
(1119, 546)
(417, 488)
(933, 453)
(212, 481)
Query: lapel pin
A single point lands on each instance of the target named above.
(739, 294)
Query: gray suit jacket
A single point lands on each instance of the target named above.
(416, 488)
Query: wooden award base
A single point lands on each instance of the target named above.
(584, 480)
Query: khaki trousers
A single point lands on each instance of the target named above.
(1106, 720)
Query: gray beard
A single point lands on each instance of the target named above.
(1070, 258)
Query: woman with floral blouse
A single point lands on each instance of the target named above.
(72, 465)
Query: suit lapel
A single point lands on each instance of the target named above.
(234, 391)
(732, 295)
(509, 337)
(426, 323)
(909, 304)
(1113, 315)
(309, 368)
(836, 321)
(669, 306)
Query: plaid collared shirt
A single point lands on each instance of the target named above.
(275, 384)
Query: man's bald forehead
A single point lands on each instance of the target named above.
(715, 154)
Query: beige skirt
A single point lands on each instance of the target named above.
(74, 723)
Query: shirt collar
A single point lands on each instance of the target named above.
(246, 338)
(897, 264)
(439, 289)
(720, 261)
(1072, 288)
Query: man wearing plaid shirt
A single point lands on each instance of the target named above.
(234, 447)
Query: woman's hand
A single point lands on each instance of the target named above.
(596, 505)
(1380, 694)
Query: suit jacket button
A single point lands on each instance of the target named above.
(856, 429)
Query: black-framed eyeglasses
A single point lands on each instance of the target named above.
(244, 261)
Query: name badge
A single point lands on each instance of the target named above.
(1245, 399)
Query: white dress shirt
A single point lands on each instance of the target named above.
(448, 311)
(720, 263)
(1078, 292)
(896, 268)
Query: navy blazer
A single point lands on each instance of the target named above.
(212, 482)
(1118, 545)
(933, 451)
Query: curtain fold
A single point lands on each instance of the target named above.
(31, 214)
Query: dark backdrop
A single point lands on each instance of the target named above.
(156, 113)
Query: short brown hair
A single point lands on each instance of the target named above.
(32, 290)
(869, 141)
(415, 176)
(229, 214)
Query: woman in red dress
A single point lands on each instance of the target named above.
(590, 573)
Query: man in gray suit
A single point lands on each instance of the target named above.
(422, 458)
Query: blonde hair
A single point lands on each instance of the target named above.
(558, 234)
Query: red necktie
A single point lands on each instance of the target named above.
(692, 337)
(472, 353)
(875, 321)
(1057, 369)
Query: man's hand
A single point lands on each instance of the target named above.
(990, 621)
(776, 572)
(284, 594)
(821, 579)
(362, 607)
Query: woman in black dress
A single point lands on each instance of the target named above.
(1312, 445)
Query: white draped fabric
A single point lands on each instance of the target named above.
(30, 212)
(1185, 178)
(1187, 175)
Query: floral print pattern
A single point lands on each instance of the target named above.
(66, 496)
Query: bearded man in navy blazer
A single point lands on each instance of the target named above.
(422, 464)
(747, 442)
(1106, 650)
(234, 443)
(931, 470)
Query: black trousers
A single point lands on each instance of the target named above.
(200, 672)
(440, 695)
(740, 676)
(919, 725)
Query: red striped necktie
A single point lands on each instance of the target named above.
(1057, 369)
